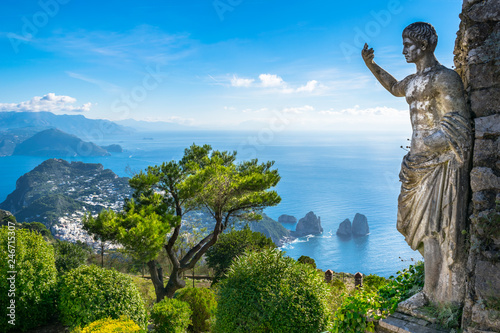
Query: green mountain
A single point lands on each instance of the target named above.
(272, 229)
(54, 142)
(57, 188)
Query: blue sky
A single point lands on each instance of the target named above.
(214, 64)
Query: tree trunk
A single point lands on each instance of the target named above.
(157, 283)
(102, 255)
(175, 282)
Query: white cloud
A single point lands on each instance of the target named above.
(298, 110)
(241, 82)
(50, 102)
(271, 80)
(309, 87)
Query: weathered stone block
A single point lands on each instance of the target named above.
(486, 152)
(483, 200)
(486, 51)
(482, 179)
(488, 10)
(483, 75)
(487, 279)
(487, 126)
(485, 102)
(488, 320)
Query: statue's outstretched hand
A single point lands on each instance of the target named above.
(367, 54)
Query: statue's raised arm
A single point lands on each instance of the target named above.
(387, 80)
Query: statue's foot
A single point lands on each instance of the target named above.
(411, 304)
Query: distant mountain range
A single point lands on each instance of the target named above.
(73, 124)
(54, 142)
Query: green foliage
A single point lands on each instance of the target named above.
(307, 260)
(447, 316)
(359, 309)
(89, 293)
(110, 325)
(408, 282)
(229, 189)
(202, 303)
(146, 290)
(38, 227)
(268, 292)
(374, 282)
(171, 316)
(231, 245)
(70, 255)
(35, 282)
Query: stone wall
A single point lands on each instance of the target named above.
(477, 60)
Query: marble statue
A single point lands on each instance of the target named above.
(432, 205)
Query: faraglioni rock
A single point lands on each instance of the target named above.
(308, 225)
(360, 226)
(345, 229)
(287, 219)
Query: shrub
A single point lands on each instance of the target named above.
(69, 256)
(234, 244)
(109, 325)
(268, 292)
(89, 293)
(307, 260)
(35, 280)
(202, 302)
(171, 316)
(357, 309)
(374, 282)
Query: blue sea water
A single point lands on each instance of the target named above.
(333, 175)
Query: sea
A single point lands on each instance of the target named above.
(334, 175)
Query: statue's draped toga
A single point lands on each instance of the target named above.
(434, 188)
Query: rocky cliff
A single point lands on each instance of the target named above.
(477, 60)
(272, 229)
(308, 225)
(345, 229)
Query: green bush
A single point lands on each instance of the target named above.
(374, 282)
(171, 316)
(90, 293)
(35, 280)
(358, 309)
(70, 255)
(307, 260)
(109, 325)
(234, 244)
(203, 304)
(268, 292)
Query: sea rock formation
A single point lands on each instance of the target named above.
(308, 225)
(360, 226)
(287, 219)
(345, 229)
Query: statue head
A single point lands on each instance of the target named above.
(419, 38)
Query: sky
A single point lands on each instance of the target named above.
(215, 64)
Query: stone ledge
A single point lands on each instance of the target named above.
(402, 323)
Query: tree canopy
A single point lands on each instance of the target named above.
(203, 180)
